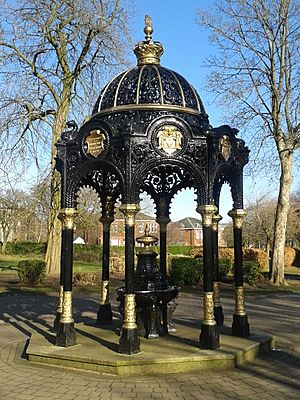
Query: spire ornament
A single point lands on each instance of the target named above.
(147, 51)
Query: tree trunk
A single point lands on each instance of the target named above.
(282, 209)
(268, 249)
(52, 257)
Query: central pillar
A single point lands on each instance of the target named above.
(240, 326)
(218, 310)
(66, 335)
(209, 336)
(129, 340)
(104, 315)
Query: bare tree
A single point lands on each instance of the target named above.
(55, 56)
(256, 74)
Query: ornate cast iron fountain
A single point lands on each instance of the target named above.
(152, 292)
(149, 132)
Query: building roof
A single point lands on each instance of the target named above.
(189, 223)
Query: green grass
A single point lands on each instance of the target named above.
(80, 266)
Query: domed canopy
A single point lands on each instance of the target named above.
(149, 85)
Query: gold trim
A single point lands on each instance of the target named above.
(151, 106)
(215, 221)
(66, 317)
(66, 216)
(104, 292)
(208, 309)
(207, 211)
(217, 301)
(237, 216)
(129, 312)
(239, 301)
(60, 299)
(129, 211)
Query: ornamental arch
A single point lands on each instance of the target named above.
(149, 133)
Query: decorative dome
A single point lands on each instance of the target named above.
(149, 85)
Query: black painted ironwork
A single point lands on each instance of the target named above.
(149, 132)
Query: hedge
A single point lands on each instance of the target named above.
(186, 271)
(251, 271)
(26, 248)
(32, 271)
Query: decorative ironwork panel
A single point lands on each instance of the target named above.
(108, 94)
(149, 91)
(170, 88)
(128, 88)
(189, 94)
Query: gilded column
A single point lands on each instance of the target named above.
(209, 336)
(129, 341)
(218, 309)
(66, 335)
(104, 314)
(240, 326)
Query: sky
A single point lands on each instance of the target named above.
(186, 46)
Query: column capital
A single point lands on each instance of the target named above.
(207, 211)
(215, 221)
(129, 211)
(66, 216)
(237, 216)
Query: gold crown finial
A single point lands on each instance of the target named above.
(148, 52)
(148, 28)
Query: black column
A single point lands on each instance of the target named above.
(240, 326)
(104, 315)
(129, 341)
(167, 325)
(66, 335)
(218, 310)
(61, 285)
(209, 336)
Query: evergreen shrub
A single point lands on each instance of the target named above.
(252, 272)
(32, 271)
(186, 271)
(225, 267)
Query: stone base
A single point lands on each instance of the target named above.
(129, 341)
(97, 351)
(219, 315)
(240, 326)
(104, 314)
(209, 337)
(66, 335)
(56, 322)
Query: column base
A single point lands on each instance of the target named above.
(129, 341)
(209, 337)
(104, 314)
(219, 315)
(56, 322)
(240, 326)
(66, 335)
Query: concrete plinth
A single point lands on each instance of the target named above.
(97, 350)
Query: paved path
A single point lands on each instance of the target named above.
(275, 375)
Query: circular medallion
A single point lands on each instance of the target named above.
(169, 136)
